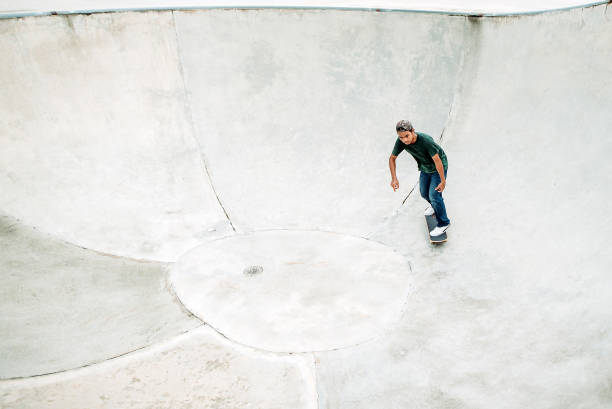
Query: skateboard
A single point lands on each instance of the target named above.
(432, 222)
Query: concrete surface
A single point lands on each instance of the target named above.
(307, 121)
(65, 307)
(147, 135)
(334, 290)
(200, 369)
(488, 7)
(100, 101)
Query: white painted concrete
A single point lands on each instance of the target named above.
(284, 119)
(315, 291)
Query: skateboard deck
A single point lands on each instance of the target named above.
(432, 222)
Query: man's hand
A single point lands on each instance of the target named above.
(440, 169)
(395, 184)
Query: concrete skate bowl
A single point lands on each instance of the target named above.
(196, 210)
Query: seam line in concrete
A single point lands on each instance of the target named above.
(460, 78)
(18, 378)
(20, 223)
(282, 353)
(258, 349)
(409, 193)
(170, 287)
(191, 123)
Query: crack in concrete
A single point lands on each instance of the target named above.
(409, 193)
(449, 117)
(189, 112)
(463, 70)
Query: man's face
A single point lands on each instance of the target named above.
(406, 136)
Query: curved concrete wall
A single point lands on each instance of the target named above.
(98, 146)
(102, 137)
(295, 111)
(146, 134)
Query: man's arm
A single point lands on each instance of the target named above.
(440, 169)
(394, 181)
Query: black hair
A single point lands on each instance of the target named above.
(403, 126)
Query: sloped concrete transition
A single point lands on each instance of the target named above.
(196, 210)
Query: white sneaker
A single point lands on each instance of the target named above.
(438, 231)
(429, 211)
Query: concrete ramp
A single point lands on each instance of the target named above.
(296, 111)
(98, 144)
(241, 157)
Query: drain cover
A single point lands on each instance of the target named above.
(252, 270)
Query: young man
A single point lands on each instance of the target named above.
(433, 165)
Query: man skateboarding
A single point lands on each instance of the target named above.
(432, 163)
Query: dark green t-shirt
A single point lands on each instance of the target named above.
(422, 151)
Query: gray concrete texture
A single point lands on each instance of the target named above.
(136, 144)
(65, 307)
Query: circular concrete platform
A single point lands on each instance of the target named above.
(294, 291)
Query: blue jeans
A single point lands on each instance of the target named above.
(427, 184)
